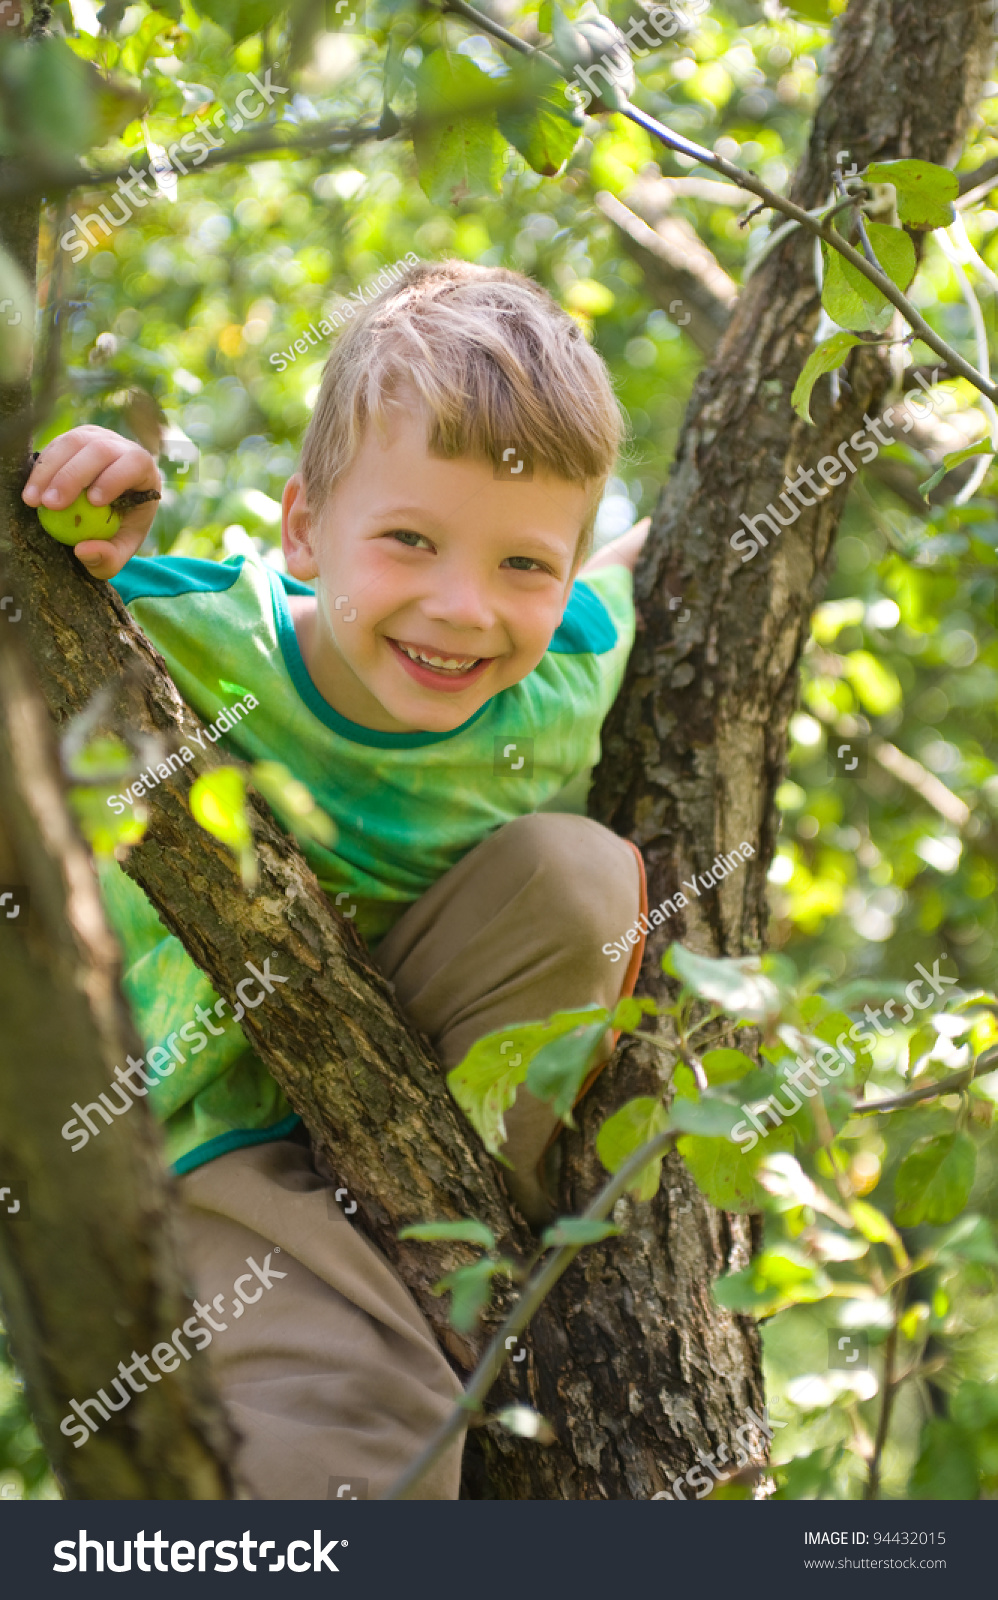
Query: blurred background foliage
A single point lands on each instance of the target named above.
(178, 327)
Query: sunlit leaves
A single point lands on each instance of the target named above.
(955, 458)
(825, 357)
(925, 192)
(545, 126)
(470, 1290)
(934, 1180)
(293, 803)
(460, 151)
(559, 1069)
(218, 802)
(484, 1084)
(849, 297)
(777, 1278)
(743, 991)
(464, 1229)
(578, 1231)
(625, 1132)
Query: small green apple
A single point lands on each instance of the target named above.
(80, 521)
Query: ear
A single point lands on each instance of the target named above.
(297, 531)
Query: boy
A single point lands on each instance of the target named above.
(440, 691)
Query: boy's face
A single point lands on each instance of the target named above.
(420, 557)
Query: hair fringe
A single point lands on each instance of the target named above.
(493, 360)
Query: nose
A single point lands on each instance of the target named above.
(460, 599)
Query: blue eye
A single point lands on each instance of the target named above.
(408, 538)
(522, 564)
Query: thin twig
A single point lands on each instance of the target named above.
(888, 1393)
(533, 1296)
(747, 180)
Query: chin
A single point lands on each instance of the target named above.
(436, 719)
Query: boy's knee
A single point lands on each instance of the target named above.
(578, 871)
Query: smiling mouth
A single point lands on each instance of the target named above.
(446, 666)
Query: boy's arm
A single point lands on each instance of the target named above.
(620, 552)
(105, 465)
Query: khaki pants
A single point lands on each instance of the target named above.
(332, 1375)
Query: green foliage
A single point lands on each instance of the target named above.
(925, 192)
(851, 299)
(459, 149)
(574, 1231)
(484, 1084)
(559, 1069)
(954, 458)
(548, 131)
(470, 1289)
(624, 1133)
(934, 1180)
(293, 803)
(739, 986)
(465, 1229)
(825, 357)
(184, 305)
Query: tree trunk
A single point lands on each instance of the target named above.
(633, 1363)
(90, 1273)
(630, 1360)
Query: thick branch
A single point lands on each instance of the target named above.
(90, 1271)
(365, 1083)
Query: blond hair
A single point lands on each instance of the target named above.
(494, 361)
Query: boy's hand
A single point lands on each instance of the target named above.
(622, 551)
(104, 464)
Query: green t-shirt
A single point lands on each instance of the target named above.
(407, 806)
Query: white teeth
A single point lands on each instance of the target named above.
(446, 664)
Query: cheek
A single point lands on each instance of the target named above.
(533, 621)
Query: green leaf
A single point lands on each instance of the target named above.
(874, 682)
(983, 447)
(872, 1224)
(925, 192)
(52, 98)
(470, 1288)
(546, 130)
(775, 1279)
(934, 1180)
(709, 1116)
(464, 1228)
(218, 802)
(725, 1172)
(946, 1468)
(577, 1231)
(725, 1066)
(626, 1131)
(969, 1239)
(484, 1084)
(827, 1031)
(559, 1069)
(825, 357)
(293, 804)
(737, 986)
(627, 1013)
(852, 300)
(239, 18)
(460, 152)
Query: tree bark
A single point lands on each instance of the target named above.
(631, 1362)
(693, 751)
(90, 1270)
